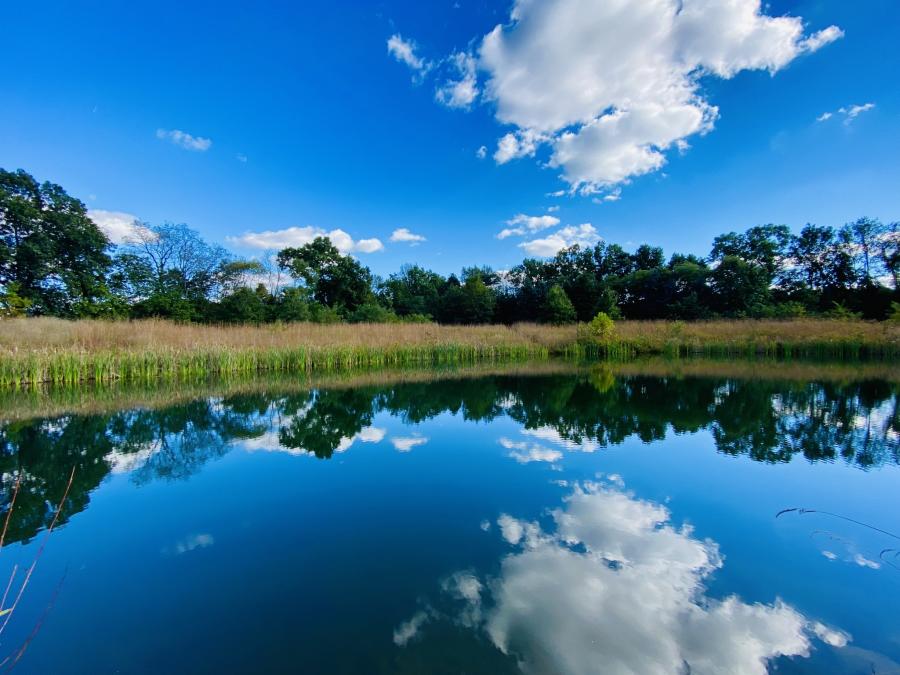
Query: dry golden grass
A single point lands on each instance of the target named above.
(33, 351)
(760, 331)
(48, 334)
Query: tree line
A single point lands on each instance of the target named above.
(55, 261)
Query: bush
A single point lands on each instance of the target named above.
(12, 304)
(894, 313)
(321, 314)
(841, 312)
(372, 313)
(601, 327)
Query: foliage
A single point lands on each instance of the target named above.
(602, 327)
(12, 304)
(558, 308)
(55, 261)
(53, 253)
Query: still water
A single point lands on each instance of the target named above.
(572, 522)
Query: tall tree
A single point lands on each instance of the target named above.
(49, 248)
(337, 281)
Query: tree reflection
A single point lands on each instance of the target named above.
(767, 421)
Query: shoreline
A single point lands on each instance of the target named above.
(52, 351)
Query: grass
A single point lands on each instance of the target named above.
(44, 350)
(788, 338)
(94, 398)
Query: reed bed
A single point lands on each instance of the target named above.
(95, 398)
(43, 350)
(789, 338)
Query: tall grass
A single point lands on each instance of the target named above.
(43, 350)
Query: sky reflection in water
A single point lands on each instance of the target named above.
(547, 524)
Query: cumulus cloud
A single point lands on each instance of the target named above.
(462, 91)
(550, 434)
(521, 224)
(615, 588)
(585, 235)
(299, 236)
(405, 52)
(611, 86)
(481, 153)
(402, 234)
(525, 453)
(408, 630)
(407, 443)
(522, 143)
(118, 226)
(184, 140)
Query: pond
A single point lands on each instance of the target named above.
(578, 520)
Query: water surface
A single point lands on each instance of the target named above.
(576, 522)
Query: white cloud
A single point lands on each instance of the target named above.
(408, 630)
(584, 235)
(368, 245)
(822, 38)
(610, 87)
(405, 52)
(552, 209)
(407, 443)
(849, 113)
(461, 92)
(549, 434)
(404, 235)
(118, 226)
(854, 111)
(184, 140)
(830, 636)
(241, 157)
(299, 236)
(525, 453)
(617, 588)
(521, 224)
(481, 153)
(522, 143)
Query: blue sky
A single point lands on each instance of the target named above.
(302, 117)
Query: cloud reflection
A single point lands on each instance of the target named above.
(615, 587)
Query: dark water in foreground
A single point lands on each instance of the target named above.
(579, 523)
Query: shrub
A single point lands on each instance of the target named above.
(601, 327)
(894, 313)
(842, 313)
(372, 313)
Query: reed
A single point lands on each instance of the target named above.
(43, 350)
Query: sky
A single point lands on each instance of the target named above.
(456, 132)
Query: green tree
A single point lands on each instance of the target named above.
(337, 281)
(414, 290)
(558, 309)
(738, 287)
(243, 305)
(764, 246)
(49, 248)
